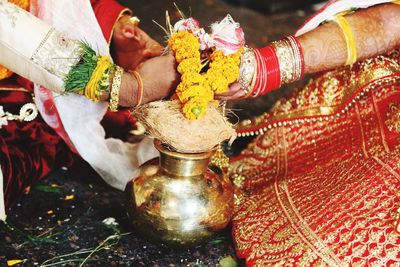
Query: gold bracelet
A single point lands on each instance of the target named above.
(115, 88)
(297, 58)
(247, 69)
(349, 37)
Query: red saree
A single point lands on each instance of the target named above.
(320, 184)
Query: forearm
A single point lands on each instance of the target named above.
(376, 30)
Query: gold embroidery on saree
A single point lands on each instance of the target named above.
(340, 204)
(393, 117)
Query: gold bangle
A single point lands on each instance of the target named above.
(289, 58)
(115, 88)
(247, 69)
(140, 87)
(349, 37)
(297, 58)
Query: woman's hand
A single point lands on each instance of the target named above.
(235, 92)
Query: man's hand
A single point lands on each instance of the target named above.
(131, 45)
(159, 77)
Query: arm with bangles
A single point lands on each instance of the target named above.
(376, 31)
(357, 36)
(158, 77)
(134, 50)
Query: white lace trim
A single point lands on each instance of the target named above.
(57, 53)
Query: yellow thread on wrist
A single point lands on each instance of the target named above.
(91, 90)
(350, 40)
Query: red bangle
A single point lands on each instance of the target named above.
(280, 63)
(273, 69)
(268, 73)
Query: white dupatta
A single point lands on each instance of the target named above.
(114, 160)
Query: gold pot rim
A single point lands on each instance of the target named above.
(164, 149)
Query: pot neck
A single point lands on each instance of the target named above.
(183, 164)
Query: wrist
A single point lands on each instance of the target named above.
(281, 62)
(129, 90)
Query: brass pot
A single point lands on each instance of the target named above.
(178, 199)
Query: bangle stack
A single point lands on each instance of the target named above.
(290, 58)
(266, 69)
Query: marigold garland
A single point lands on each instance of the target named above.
(24, 4)
(4, 72)
(196, 89)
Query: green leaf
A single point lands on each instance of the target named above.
(48, 189)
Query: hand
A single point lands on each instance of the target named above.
(131, 45)
(235, 92)
(159, 77)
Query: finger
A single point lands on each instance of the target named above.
(235, 91)
(235, 87)
(236, 95)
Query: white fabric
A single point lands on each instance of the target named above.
(333, 8)
(21, 34)
(15, 53)
(113, 159)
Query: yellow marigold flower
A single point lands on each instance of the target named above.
(231, 74)
(4, 72)
(218, 82)
(196, 92)
(189, 65)
(184, 45)
(192, 78)
(187, 53)
(194, 110)
(217, 55)
(220, 86)
(24, 4)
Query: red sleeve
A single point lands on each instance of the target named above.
(107, 13)
(116, 124)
